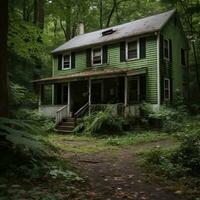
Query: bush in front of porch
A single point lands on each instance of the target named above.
(103, 122)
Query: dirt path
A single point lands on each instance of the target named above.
(115, 175)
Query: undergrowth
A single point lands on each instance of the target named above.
(102, 122)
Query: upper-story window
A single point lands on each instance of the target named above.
(183, 56)
(132, 50)
(97, 56)
(66, 61)
(166, 49)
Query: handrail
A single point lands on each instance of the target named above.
(61, 113)
(80, 111)
(59, 110)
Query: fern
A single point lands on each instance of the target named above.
(100, 122)
(22, 136)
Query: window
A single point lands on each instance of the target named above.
(132, 50)
(97, 56)
(166, 49)
(183, 56)
(166, 89)
(66, 64)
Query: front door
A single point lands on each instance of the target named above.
(97, 92)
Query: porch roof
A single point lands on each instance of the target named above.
(92, 74)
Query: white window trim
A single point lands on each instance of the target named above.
(169, 89)
(138, 49)
(164, 49)
(92, 53)
(70, 63)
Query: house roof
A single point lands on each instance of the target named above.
(139, 27)
(93, 74)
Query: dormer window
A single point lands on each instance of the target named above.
(97, 56)
(132, 50)
(166, 49)
(66, 61)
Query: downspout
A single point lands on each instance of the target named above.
(158, 69)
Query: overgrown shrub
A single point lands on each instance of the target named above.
(20, 96)
(170, 119)
(100, 122)
(45, 123)
(181, 162)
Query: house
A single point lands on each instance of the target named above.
(143, 60)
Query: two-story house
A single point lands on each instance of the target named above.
(143, 60)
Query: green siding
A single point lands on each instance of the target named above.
(114, 61)
(174, 32)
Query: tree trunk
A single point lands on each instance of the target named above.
(4, 100)
(39, 13)
(101, 14)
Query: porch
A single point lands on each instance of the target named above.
(123, 92)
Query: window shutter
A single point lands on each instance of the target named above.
(171, 89)
(89, 58)
(162, 88)
(105, 54)
(142, 47)
(122, 51)
(170, 50)
(73, 57)
(60, 62)
(161, 47)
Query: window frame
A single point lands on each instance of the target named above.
(70, 61)
(164, 56)
(92, 56)
(168, 89)
(138, 49)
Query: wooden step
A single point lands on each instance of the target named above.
(63, 131)
(68, 124)
(69, 119)
(62, 127)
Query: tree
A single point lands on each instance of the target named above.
(3, 58)
(39, 13)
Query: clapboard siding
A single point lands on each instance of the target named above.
(114, 61)
(174, 69)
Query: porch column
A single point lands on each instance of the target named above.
(52, 95)
(89, 93)
(125, 90)
(69, 98)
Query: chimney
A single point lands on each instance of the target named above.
(81, 28)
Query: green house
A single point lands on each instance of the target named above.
(143, 60)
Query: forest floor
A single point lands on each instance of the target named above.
(112, 170)
(96, 168)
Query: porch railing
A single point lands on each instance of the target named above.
(61, 114)
(117, 109)
(81, 112)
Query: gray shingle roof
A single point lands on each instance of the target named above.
(134, 28)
